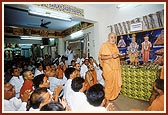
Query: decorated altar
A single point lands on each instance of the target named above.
(137, 82)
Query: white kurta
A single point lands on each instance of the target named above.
(17, 83)
(83, 70)
(55, 82)
(14, 104)
(78, 102)
(37, 72)
(81, 61)
(69, 54)
(31, 109)
(67, 90)
(100, 78)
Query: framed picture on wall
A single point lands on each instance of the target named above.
(153, 36)
(136, 26)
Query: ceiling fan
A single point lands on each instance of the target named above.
(42, 24)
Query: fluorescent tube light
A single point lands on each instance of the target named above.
(30, 38)
(49, 13)
(76, 34)
(25, 44)
(12, 26)
(41, 47)
(127, 5)
(51, 39)
(122, 5)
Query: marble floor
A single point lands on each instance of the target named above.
(123, 103)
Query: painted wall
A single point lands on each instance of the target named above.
(91, 41)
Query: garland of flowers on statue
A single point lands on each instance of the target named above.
(146, 45)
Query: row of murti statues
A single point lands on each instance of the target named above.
(134, 53)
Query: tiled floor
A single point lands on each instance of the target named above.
(123, 103)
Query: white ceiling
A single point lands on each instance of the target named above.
(17, 15)
(20, 17)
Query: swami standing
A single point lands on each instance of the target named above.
(110, 62)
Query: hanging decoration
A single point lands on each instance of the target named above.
(151, 21)
(64, 8)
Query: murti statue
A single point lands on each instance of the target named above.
(133, 52)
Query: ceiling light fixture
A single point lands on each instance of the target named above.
(30, 38)
(76, 34)
(41, 47)
(127, 5)
(12, 26)
(122, 5)
(49, 13)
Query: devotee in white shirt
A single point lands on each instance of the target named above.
(69, 74)
(17, 81)
(55, 81)
(76, 58)
(96, 98)
(84, 68)
(78, 101)
(83, 58)
(69, 54)
(38, 70)
(99, 73)
(12, 103)
(39, 98)
(93, 62)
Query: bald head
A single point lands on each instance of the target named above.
(111, 34)
(28, 75)
(112, 38)
(9, 91)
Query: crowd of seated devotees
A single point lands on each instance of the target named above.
(54, 86)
